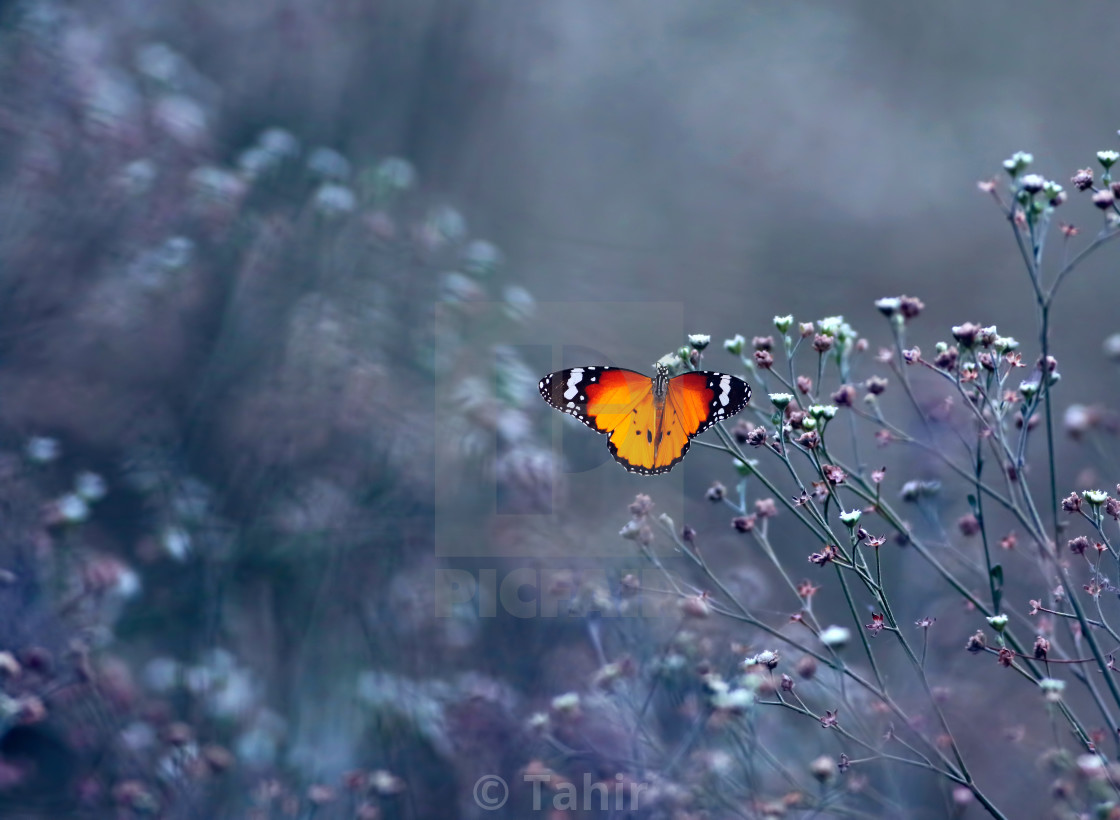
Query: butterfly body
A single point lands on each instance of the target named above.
(650, 422)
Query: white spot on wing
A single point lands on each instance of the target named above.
(573, 384)
(725, 390)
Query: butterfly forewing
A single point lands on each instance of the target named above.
(633, 441)
(600, 397)
(704, 398)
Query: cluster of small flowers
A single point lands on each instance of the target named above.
(1098, 502)
(1035, 194)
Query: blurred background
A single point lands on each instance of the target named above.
(279, 279)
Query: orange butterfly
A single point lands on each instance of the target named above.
(650, 421)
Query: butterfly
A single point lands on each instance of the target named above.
(650, 421)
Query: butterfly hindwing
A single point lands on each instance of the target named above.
(646, 436)
(633, 443)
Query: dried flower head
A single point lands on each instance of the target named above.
(744, 523)
(741, 430)
(911, 306)
(966, 334)
(806, 667)
(768, 658)
(696, 606)
(765, 508)
(1104, 199)
(977, 642)
(642, 505)
(1078, 545)
(1083, 179)
(946, 357)
(829, 553)
(807, 589)
(875, 385)
(756, 437)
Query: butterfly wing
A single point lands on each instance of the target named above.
(633, 443)
(694, 403)
(609, 400)
(600, 397)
